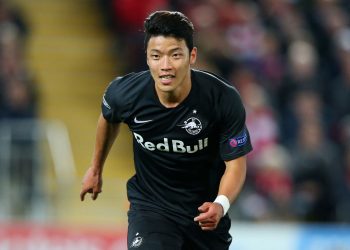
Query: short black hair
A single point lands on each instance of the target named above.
(169, 23)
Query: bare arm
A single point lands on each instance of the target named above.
(233, 179)
(106, 134)
(230, 185)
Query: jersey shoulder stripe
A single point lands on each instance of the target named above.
(212, 77)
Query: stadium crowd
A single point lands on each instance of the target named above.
(18, 102)
(17, 91)
(290, 60)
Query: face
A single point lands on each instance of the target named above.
(169, 61)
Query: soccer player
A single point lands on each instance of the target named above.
(189, 142)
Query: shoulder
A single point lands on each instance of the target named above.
(215, 85)
(124, 89)
(121, 93)
(129, 81)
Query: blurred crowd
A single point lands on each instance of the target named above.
(17, 92)
(18, 106)
(290, 60)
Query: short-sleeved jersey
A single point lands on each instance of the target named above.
(179, 152)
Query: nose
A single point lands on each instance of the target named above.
(165, 64)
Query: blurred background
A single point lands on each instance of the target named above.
(290, 60)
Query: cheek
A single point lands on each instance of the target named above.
(153, 71)
(151, 65)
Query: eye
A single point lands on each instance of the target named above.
(177, 55)
(155, 56)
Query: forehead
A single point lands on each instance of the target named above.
(164, 43)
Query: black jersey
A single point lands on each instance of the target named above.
(179, 152)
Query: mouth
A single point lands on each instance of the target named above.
(166, 79)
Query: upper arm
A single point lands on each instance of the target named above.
(240, 163)
(114, 101)
(110, 128)
(234, 135)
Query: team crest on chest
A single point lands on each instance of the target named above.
(192, 125)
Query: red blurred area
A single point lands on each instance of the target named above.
(33, 236)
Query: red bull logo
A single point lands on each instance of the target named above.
(172, 145)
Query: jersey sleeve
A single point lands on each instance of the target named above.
(112, 110)
(234, 135)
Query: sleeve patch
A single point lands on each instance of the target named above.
(239, 140)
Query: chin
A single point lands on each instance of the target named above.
(165, 87)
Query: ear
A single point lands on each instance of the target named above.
(193, 55)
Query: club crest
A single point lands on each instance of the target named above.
(136, 242)
(192, 125)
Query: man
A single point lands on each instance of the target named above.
(189, 139)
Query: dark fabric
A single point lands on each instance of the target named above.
(149, 230)
(178, 152)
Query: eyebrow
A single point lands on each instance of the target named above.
(171, 51)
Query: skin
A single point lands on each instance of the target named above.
(168, 56)
(230, 185)
(106, 133)
(169, 61)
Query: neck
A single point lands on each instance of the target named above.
(174, 98)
